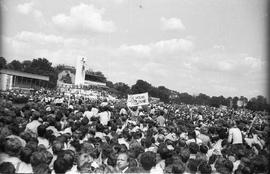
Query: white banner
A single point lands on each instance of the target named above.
(138, 99)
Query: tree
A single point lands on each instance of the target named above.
(164, 94)
(123, 88)
(140, 87)
(214, 101)
(234, 100)
(186, 98)
(42, 66)
(109, 84)
(3, 62)
(244, 100)
(15, 65)
(202, 99)
(228, 101)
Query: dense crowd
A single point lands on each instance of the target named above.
(53, 133)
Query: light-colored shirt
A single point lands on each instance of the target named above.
(161, 120)
(24, 168)
(205, 139)
(44, 142)
(88, 114)
(104, 117)
(33, 126)
(235, 136)
(6, 158)
(123, 141)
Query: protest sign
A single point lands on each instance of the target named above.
(137, 99)
(154, 100)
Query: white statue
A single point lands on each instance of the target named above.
(80, 71)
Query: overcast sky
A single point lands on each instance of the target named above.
(216, 47)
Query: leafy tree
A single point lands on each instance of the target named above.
(163, 94)
(140, 87)
(228, 101)
(214, 101)
(42, 66)
(123, 88)
(3, 62)
(109, 84)
(15, 65)
(202, 99)
(234, 100)
(186, 98)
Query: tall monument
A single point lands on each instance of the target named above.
(80, 71)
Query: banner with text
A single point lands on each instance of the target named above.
(137, 99)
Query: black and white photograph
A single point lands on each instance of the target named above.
(134, 86)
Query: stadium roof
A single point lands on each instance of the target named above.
(24, 74)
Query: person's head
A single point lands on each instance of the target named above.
(164, 152)
(193, 148)
(192, 134)
(64, 162)
(89, 107)
(232, 123)
(32, 144)
(85, 121)
(178, 168)
(41, 130)
(192, 165)
(184, 154)
(25, 154)
(83, 160)
(37, 158)
(42, 168)
(212, 159)
(112, 159)
(13, 146)
(60, 165)
(223, 165)
(203, 149)
(122, 161)
(7, 167)
(148, 160)
(99, 127)
(205, 168)
(48, 156)
(57, 147)
(87, 147)
(259, 164)
(148, 143)
(204, 130)
(160, 138)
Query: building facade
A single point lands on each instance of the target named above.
(10, 79)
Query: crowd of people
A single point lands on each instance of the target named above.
(52, 133)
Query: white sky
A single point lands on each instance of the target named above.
(216, 47)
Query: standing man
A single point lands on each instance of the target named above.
(235, 135)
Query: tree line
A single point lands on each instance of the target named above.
(42, 66)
